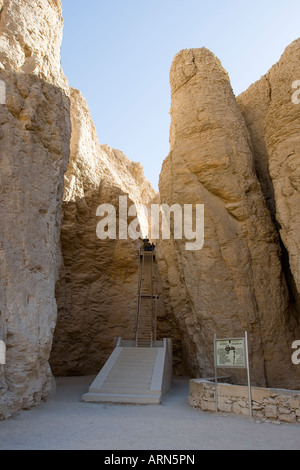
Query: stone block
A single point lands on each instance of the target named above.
(259, 393)
(208, 405)
(242, 403)
(235, 391)
(294, 404)
(236, 408)
(287, 418)
(225, 407)
(271, 411)
(284, 410)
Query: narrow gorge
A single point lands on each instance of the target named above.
(65, 295)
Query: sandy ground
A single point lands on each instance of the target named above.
(66, 423)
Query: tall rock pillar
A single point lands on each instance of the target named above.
(235, 282)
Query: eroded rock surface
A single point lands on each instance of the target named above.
(30, 38)
(272, 115)
(235, 283)
(97, 292)
(34, 145)
(50, 156)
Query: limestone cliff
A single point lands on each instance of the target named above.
(272, 117)
(34, 145)
(30, 38)
(97, 291)
(240, 160)
(235, 283)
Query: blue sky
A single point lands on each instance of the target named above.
(118, 53)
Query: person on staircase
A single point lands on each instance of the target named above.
(147, 245)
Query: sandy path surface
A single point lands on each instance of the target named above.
(66, 423)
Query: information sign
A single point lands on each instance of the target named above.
(230, 353)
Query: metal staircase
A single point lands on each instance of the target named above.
(146, 324)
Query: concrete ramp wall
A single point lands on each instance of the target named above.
(135, 375)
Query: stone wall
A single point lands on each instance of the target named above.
(267, 403)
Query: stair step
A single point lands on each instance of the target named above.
(140, 354)
(137, 367)
(138, 351)
(136, 363)
(139, 380)
(130, 374)
(124, 382)
(139, 357)
(150, 399)
(125, 390)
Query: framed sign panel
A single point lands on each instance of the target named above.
(230, 353)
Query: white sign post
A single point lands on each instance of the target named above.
(232, 353)
(2, 353)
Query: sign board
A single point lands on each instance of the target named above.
(230, 353)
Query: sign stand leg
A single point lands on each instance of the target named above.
(216, 377)
(248, 374)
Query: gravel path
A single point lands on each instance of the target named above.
(66, 423)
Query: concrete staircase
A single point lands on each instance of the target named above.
(134, 375)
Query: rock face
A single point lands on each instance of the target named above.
(31, 35)
(240, 160)
(271, 110)
(35, 135)
(235, 283)
(97, 291)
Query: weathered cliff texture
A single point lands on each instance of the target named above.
(97, 291)
(30, 38)
(34, 148)
(235, 283)
(50, 153)
(272, 117)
